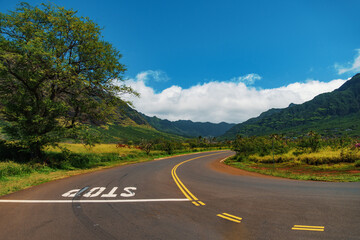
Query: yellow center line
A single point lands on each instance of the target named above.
(229, 218)
(196, 204)
(181, 184)
(182, 187)
(183, 191)
(229, 215)
(300, 226)
(308, 228)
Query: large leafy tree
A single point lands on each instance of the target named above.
(56, 74)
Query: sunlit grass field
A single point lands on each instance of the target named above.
(76, 160)
(325, 153)
(98, 148)
(17, 176)
(326, 164)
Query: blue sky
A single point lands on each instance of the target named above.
(265, 45)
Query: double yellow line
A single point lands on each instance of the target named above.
(182, 187)
(230, 217)
(308, 228)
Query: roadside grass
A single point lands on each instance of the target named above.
(78, 160)
(98, 148)
(35, 176)
(325, 165)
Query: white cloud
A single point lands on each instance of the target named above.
(157, 76)
(232, 102)
(247, 79)
(354, 66)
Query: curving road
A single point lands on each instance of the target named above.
(184, 197)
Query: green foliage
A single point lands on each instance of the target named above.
(11, 151)
(115, 133)
(348, 156)
(168, 146)
(56, 72)
(245, 146)
(187, 128)
(335, 113)
(67, 160)
(312, 142)
(281, 149)
(146, 146)
(357, 163)
(334, 173)
(13, 169)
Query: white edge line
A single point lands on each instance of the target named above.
(97, 201)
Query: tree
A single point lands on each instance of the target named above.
(312, 142)
(168, 146)
(57, 74)
(146, 146)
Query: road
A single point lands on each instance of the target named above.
(185, 197)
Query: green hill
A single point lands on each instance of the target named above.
(114, 133)
(131, 126)
(334, 113)
(187, 128)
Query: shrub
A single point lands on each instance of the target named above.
(348, 156)
(168, 147)
(262, 146)
(357, 163)
(240, 158)
(8, 169)
(10, 151)
(80, 161)
(311, 142)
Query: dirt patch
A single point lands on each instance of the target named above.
(219, 166)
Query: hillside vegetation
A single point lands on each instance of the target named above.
(187, 128)
(334, 113)
(308, 158)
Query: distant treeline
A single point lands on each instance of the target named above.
(279, 145)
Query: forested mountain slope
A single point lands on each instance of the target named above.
(189, 128)
(333, 113)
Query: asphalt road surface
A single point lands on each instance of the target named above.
(185, 197)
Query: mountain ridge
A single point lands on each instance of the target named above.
(188, 128)
(321, 113)
(135, 126)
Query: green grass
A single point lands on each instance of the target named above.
(20, 176)
(17, 176)
(113, 133)
(98, 148)
(325, 165)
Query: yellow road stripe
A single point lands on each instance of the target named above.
(182, 187)
(196, 204)
(229, 215)
(186, 195)
(228, 218)
(300, 226)
(308, 228)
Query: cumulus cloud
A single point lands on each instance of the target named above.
(247, 79)
(352, 67)
(151, 75)
(216, 101)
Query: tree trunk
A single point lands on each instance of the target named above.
(36, 152)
